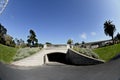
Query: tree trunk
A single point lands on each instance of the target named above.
(112, 40)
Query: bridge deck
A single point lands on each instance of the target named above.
(38, 58)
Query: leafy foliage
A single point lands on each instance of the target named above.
(117, 37)
(25, 52)
(87, 52)
(32, 39)
(70, 41)
(109, 28)
(20, 43)
(3, 31)
(77, 44)
(5, 38)
(83, 44)
(9, 40)
(48, 43)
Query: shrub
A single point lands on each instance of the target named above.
(25, 52)
(87, 52)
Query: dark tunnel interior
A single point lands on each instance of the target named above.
(57, 57)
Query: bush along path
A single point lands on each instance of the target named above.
(86, 51)
(25, 52)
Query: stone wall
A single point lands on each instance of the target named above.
(76, 58)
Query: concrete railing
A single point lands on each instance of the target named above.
(58, 46)
(76, 58)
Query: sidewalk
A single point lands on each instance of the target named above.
(34, 60)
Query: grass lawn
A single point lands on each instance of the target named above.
(108, 52)
(7, 53)
(10, 54)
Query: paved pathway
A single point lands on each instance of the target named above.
(38, 58)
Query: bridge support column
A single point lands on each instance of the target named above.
(69, 46)
(46, 59)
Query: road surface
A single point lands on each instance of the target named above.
(106, 71)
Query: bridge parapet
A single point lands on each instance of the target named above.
(57, 46)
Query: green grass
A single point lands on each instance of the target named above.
(108, 52)
(7, 53)
(10, 54)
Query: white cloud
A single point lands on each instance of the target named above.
(93, 33)
(83, 36)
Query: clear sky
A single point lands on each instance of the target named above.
(56, 21)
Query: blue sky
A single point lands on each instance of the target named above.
(56, 21)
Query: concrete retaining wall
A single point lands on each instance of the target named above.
(76, 58)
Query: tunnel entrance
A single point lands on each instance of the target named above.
(56, 57)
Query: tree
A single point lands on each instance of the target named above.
(109, 29)
(32, 38)
(83, 44)
(48, 43)
(3, 31)
(9, 40)
(20, 43)
(13, 43)
(5, 38)
(77, 44)
(117, 37)
(40, 45)
(29, 42)
(70, 41)
(17, 42)
(36, 42)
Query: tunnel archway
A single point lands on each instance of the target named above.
(55, 57)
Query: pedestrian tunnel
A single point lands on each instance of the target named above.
(55, 57)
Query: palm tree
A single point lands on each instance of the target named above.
(109, 29)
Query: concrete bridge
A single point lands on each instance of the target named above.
(42, 57)
(56, 53)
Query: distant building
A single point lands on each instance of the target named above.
(98, 44)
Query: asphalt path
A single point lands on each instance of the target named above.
(106, 71)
